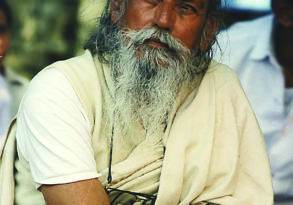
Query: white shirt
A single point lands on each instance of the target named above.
(53, 132)
(4, 107)
(16, 85)
(247, 48)
(12, 87)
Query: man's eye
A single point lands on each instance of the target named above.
(186, 8)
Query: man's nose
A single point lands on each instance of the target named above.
(165, 17)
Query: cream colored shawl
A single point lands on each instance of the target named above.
(214, 148)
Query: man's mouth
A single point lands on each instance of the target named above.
(156, 43)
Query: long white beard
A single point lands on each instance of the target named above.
(147, 80)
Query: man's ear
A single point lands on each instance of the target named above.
(209, 33)
(115, 10)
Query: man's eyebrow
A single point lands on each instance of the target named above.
(200, 3)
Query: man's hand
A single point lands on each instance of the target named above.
(87, 192)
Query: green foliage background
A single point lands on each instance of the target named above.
(46, 31)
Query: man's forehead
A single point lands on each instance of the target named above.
(195, 1)
(191, 1)
(201, 4)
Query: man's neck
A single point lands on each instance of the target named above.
(283, 46)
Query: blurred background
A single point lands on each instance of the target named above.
(46, 31)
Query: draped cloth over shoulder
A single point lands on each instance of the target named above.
(214, 149)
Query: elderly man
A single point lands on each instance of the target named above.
(143, 117)
(265, 67)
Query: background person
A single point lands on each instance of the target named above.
(15, 83)
(261, 52)
(4, 93)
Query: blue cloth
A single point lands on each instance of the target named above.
(247, 47)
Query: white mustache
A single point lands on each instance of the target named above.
(140, 36)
